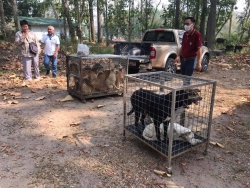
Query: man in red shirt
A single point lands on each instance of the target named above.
(191, 51)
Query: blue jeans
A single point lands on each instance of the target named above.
(47, 60)
(187, 68)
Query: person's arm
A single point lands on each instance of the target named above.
(199, 55)
(178, 56)
(199, 52)
(19, 40)
(56, 50)
(57, 47)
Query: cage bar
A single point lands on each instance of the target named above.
(95, 75)
(169, 112)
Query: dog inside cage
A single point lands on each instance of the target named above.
(159, 107)
(96, 75)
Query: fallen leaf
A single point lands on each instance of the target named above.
(220, 145)
(183, 163)
(5, 148)
(229, 128)
(12, 76)
(199, 158)
(248, 133)
(100, 106)
(21, 97)
(64, 136)
(13, 102)
(213, 143)
(24, 84)
(33, 90)
(75, 124)
(218, 156)
(67, 98)
(153, 166)
(229, 152)
(61, 151)
(159, 172)
(109, 172)
(40, 98)
(2, 103)
(217, 129)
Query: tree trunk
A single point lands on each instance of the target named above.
(15, 15)
(203, 19)
(177, 14)
(99, 22)
(230, 22)
(211, 25)
(197, 13)
(79, 21)
(3, 23)
(106, 23)
(57, 19)
(70, 24)
(91, 17)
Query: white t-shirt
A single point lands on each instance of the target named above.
(50, 44)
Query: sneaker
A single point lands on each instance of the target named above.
(54, 76)
(47, 72)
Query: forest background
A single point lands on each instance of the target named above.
(104, 20)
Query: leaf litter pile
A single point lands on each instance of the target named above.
(51, 139)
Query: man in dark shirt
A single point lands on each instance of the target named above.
(191, 51)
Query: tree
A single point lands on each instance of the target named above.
(99, 21)
(68, 17)
(244, 22)
(211, 24)
(32, 8)
(15, 15)
(203, 19)
(3, 22)
(91, 19)
(57, 19)
(177, 14)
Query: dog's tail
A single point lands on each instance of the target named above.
(131, 112)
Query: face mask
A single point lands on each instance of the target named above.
(187, 27)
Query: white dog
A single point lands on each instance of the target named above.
(179, 133)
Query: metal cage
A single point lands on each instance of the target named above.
(169, 112)
(95, 75)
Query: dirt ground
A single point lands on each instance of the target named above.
(47, 143)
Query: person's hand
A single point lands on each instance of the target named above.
(198, 66)
(176, 60)
(24, 34)
(54, 55)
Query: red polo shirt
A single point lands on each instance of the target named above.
(190, 44)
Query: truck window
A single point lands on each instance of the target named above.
(165, 36)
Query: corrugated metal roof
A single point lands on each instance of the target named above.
(40, 20)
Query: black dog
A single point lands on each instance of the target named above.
(158, 107)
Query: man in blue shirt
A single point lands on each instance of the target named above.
(51, 47)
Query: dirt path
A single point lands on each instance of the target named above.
(48, 143)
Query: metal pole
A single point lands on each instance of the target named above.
(169, 168)
(210, 118)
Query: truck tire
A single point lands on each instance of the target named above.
(170, 66)
(204, 63)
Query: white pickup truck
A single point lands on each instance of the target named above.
(157, 50)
